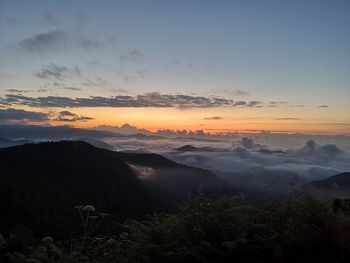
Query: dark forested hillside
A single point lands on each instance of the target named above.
(337, 182)
(41, 183)
(176, 179)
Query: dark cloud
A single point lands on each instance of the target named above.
(323, 106)
(213, 118)
(43, 90)
(68, 116)
(52, 40)
(152, 99)
(17, 91)
(72, 88)
(56, 40)
(297, 106)
(53, 71)
(22, 116)
(240, 103)
(58, 74)
(254, 103)
(9, 115)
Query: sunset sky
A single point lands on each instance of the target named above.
(185, 64)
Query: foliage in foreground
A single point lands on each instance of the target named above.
(225, 230)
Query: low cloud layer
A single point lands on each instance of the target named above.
(245, 161)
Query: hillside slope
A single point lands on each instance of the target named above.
(338, 182)
(41, 183)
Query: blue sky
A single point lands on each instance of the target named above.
(291, 51)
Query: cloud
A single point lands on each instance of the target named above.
(10, 115)
(58, 74)
(147, 100)
(248, 143)
(287, 119)
(234, 92)
(240, 103)
(323, 152)
(213, 118)
(297, 106)
(277, 103)
(152, 99)
(254, 104)
(68, 116)
(72, 88)
(22, 116)
(241, 92)
(98, 82)
(17, 91)
(246, 161)
(56, 40)
(178, 65)
(43, 90)
(323, 106)
(54, 71)
(129, 68)
(134, 55)
(52, 40)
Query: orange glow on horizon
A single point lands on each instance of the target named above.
(211, 120)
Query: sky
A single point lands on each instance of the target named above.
(282, 66)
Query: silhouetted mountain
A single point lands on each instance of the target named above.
(259, 183)
(190, 148)
(41, 183)
(340, 182)
(49, 132)
(97, 143)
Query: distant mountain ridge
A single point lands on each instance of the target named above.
(191, 148)
(49, 132)
(339, 182)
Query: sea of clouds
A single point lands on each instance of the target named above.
(270, 159)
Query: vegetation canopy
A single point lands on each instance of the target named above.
(224, 230)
